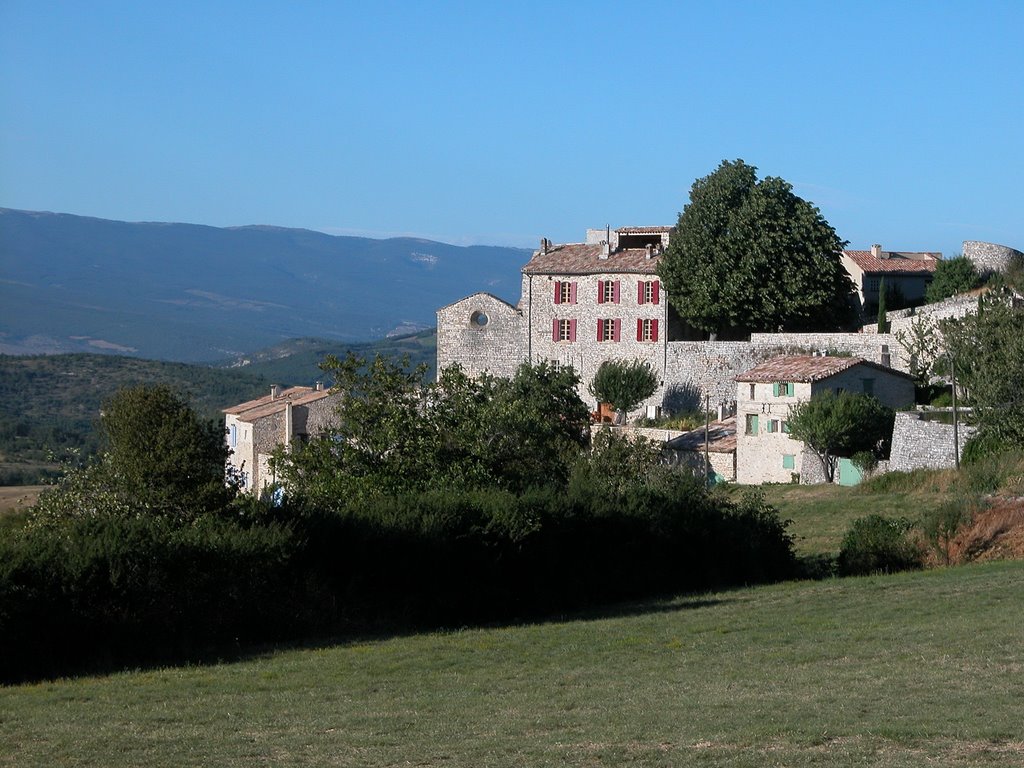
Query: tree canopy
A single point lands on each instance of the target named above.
(396, 433)
(841, 425)
(749, 255)
(624, 384)
(987, 349)
(952, 276)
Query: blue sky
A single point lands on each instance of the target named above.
(500, 123)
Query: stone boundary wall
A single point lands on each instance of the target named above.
(920, 444)
(990, 257)
(694, 369)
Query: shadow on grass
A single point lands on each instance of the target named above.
(229, 653)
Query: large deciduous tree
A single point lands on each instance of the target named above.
(842, 425)
(749, 255)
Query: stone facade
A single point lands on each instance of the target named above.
(481, 333)
(990, 257)
(255, 429)
(765, 453)
(918, 443)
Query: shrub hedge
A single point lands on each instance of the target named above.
(101, 591)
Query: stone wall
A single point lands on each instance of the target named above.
(481, 333)
(990, 257)
(918, 444)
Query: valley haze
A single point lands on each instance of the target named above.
(196, 293)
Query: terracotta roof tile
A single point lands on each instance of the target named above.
(897, 262)
(585, 259)
(806, 368)
(264, 406)
(721, 438)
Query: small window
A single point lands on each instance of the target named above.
(647, 330)
(783, 389)
(788, 461)
(567, 292)
(234, 436)
(773, 425)
(751, 423)
(565, 330)
(606, 330)
(479, 319)
(873, 284)
(869, 386)
(751, 391)
(608, 292)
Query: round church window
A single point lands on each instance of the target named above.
(478, 319)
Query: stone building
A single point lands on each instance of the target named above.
(581, 304)
(765, 453)
(584, 303)
(257, 427)
(908, 273)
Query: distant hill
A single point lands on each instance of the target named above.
(49, 404)
(200, 294)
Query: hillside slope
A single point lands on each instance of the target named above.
(196, 293)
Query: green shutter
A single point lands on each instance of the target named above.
(788, 461)
(775, 389)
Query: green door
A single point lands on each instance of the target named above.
(848, 473)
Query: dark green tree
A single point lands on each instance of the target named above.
(624, 384)
(883, 319)
(162, 454)
(987, 350)
(749, 255)
(841, 425)
(952, 276)
(398, 433)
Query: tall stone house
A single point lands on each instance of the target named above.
(581, 304)
(906, 272)
(765, 452)
(256, 428)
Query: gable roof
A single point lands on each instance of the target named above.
(896, 263)
(268, 405)
(585, 259)
(807, 368)
(721, 438)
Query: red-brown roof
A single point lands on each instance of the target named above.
(721, 438)
(896, 262)
(264, 406)
(807, 368)
(643, 230)
(585, 259)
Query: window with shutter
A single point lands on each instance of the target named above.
(616, 327)
(615, 291)
(656, 292)
(558, 292)
(751, 424)
(600, 291)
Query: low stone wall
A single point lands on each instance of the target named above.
(920, 444)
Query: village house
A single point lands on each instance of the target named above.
(257, 427)
(906, 274)
(765, 452)
(581, 304)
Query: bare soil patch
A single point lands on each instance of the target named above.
(19, 497)
(995, 533)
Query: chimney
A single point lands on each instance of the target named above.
(886, 357)
(650, 250)
(606, 250)
(319, 386)
(544, 245)
(275, 391)
(877, 252)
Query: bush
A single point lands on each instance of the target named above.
(876, 544)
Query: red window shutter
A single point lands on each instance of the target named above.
(572, 293)
(639, 329)
(654, 328)
(656, 293)
(640, 292)
(558, 292)
(615, 329)
(572, 330)
(600, 291)
(600, 329)
(615, 292)
(554, 329)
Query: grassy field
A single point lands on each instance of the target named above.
(880, 671)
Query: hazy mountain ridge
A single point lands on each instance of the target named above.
(198, 293)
